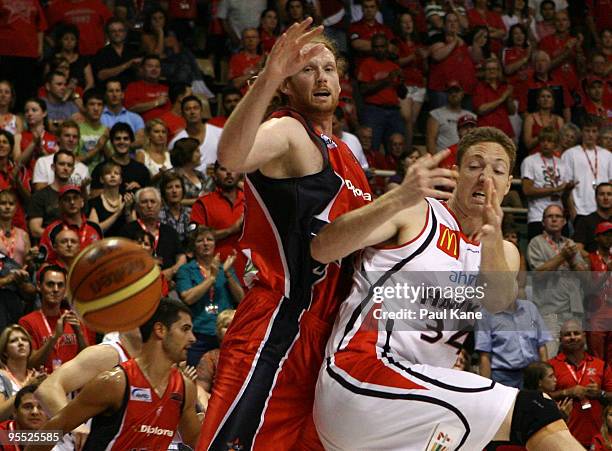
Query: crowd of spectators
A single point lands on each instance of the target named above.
(111, 112)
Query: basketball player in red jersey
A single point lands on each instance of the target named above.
(392, 379)
(299, 177)
(142, 402)
(74, 374)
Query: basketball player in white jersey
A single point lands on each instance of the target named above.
(387, 381)
(74, 374)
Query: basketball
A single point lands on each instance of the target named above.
(114, 285)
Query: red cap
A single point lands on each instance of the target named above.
(603, 227)
(68, 188)
(594, 79)
(466, 119)
(453, 84)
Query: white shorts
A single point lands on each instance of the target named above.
(416, 94)
(453, 409)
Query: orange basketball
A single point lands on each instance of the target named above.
(114, 285)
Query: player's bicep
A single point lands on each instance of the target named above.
(190, 425)
(271, 141)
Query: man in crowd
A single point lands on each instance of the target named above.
(554, 259)
(236, 16)
(361, 33)
(148, 97)
(69, 138)
(589, 165)
(94, 133)
(58, 107)
(582, 377)
(246, 63)
(117, 59)
(379, 79)
(174, 120)
(29, 415)
(114, 111)
(494, 100)
(57, 334)
(545, 179)
(43, 207)
(594, 103)
(229, 100)
(206, 134)
(443, 122)
(585, 228)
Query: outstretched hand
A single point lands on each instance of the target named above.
(290, 52)
(424, 178)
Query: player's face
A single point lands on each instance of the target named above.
(53, 288)
(18, 346)
(8, 205)
(179, 338)
(604, 197)
(316, 88)
(482, 161)
(549, 382)
(30, 414)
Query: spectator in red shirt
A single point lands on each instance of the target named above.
(594, 103)
(361, 33)
(412, 58)
(564, 50)
(247, 63)
(482, 15)
(57, 334)
(22, 24)
(71, 204)
(599, 16)
(148, 97)
(603, 440)
(516, 57)
(230, 97)
(448, 55)
(88, 15)
(223, 211)
(493, 99)
(546, 26)
(582, 377)
(269, 29)
(379, 79)
(539, 77)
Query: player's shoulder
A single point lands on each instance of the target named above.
(112, 380)
(285, 127)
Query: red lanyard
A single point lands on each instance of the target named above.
(593, 171)
(9, 245)
(155, 235)
(573, 373)
(551, 242)
(553, 177)
(49, 331)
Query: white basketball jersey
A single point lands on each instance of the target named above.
(421, 297)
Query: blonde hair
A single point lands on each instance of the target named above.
(149, 128)
(224, 319)
(5, 337)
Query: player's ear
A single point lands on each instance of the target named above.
(159, 330)
(284, 87)
(508, 185)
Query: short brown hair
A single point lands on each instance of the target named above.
(487, 134)
(549, 134)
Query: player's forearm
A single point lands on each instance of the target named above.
(54, 424)
(241, 128)
(496, 278)
(485, 365)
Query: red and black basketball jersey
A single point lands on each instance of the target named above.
(283, 215)
(145, 421)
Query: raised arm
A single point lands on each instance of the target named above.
(244, 145)
(382, 219)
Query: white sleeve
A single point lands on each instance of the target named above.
(42, 172)
(567, 158)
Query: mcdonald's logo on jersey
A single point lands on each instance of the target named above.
(448, 242)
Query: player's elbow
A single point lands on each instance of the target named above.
(320, 252)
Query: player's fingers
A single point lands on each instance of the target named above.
(438, 157)
(438, 194)
(443, 172)
(306, 37)
(443, 181)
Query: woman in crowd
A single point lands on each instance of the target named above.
(603, 440)
(543, 117)
(110, 209)
(269, 29)
(9, 179)
(185, 159)
(569, 136)
(15, 350)
(155, 155)
(14, 240)
(540, 376)
(9, 121)
(36, 141)
(412, 59)
(67, 47)
(173, 212)
(208, 286)
(516, 57)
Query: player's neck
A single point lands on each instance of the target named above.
(469, 223)
(321, 122)
(154, 364)
(132, 344)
